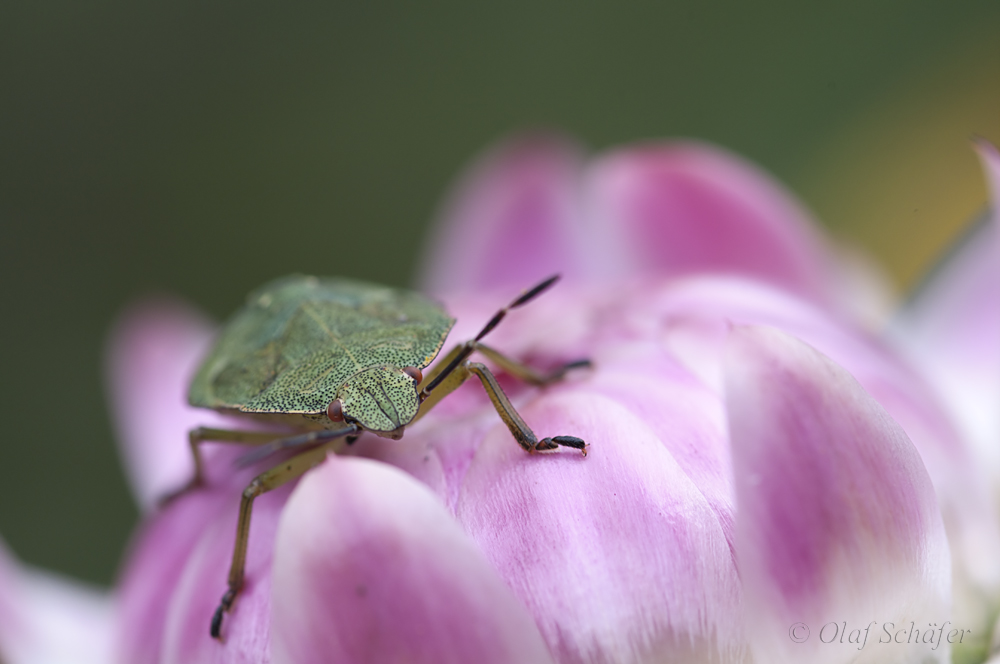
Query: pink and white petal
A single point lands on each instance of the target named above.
(684, 208)
(952, 327)
(511, 221)
(699, 314)
(369, 566)
(688, 417)
(837, 519)
(438, 450)
(152, 354)
(158, 557)
(700, 311)
(619, 556)
(46, 619)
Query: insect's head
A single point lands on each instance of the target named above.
(382, 400)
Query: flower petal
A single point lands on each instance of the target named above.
(152, 354)
(952, 327)
(45, 619)
(685, 208)
(511, 221)
(836, 516)
(951, 330)
(370, 567)
(619, 556)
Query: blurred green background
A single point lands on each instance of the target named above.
(202, 148)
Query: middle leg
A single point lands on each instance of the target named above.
(207, 434)
(518, 428)
(522, 433)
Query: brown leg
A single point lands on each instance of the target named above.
(526, 373)
(522, 433)
(458, 355)
(447, 383)
(518, 427)
(204, 434)
(272, 479)
(439, 366)
(448, 374)
(348, 431)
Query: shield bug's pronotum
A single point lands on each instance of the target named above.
(334, 358)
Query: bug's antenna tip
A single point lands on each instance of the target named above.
(549, 281)
(523, 298)
(532, 293)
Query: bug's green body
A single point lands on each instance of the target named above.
(336, 358)
(301, 342)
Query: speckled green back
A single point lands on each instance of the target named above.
(299, 338)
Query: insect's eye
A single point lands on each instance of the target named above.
(335, 411)
(413, 373)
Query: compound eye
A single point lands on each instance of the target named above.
(413, 373)
(335, 411)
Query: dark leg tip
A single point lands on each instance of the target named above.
(216, 623)
(224, 605)
(561, 372)
(571, 441)
(547, 444)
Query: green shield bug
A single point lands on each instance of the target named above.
(334, 358)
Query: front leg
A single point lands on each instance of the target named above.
(528, 374)
(448, 374)
(522, 433)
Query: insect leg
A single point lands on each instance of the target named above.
(451, 371)
(526, 373)
(449, 383)
(522, 433)
(460, 354)
(431, 374)
(292, 442)
(272, 479)
(518, 427)
(204, 434)
(457, 375)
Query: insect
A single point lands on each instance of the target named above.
(334, 358)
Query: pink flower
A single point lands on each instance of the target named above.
(950, 330)
(45, 619)
(762, 471)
